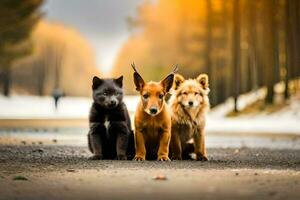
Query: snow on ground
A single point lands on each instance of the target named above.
(34, 107)
(286, 121)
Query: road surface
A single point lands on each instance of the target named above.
(64, 172)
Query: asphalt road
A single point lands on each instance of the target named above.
(64, 172)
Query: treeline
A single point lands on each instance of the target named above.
(243, 45)
(37, 57)
(17, 20)
(62, 59)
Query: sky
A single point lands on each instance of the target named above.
(102, 22)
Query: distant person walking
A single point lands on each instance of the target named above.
(57, 94)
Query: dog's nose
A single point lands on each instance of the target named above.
(113, 103)
(191, 103)
(153, 110)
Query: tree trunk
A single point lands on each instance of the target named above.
(208, 36)
(208, 63)
(236, 52)
(6, 81)
(41, 77)
(288, 46)
(252, 21)
(269, 49)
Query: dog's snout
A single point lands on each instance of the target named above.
(153, 110)
(191, 103)
(113, 103)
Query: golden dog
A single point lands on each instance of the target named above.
(189, 104)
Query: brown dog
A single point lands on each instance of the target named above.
(152, 119)
(189, 105)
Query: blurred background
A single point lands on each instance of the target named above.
(51, 49)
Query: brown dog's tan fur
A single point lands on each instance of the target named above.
(152, 130)
(189, 104)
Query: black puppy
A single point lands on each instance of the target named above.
(110, 135)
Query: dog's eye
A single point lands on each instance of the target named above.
(145, 96)
(196, 93)
(185, 93)
(104, 93)
(161, 96)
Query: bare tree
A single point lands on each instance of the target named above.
(236, 52)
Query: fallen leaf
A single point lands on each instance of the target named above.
(20, 178)
(160, 178)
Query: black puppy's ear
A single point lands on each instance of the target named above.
(96, 82)
(138, 80)
(168, 82)
(119, 81)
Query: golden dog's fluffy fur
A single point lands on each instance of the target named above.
(189, 105)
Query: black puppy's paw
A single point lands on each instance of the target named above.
(96, 157)
(122, 157)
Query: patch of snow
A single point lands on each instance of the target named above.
(244, 100)
(277, 125)
(34, 107)
(286, 121)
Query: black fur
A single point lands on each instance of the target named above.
(117, 140)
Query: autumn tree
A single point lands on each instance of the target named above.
(62, 60)
(17, 19)
(244, 45)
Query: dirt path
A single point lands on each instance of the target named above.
(64, 172)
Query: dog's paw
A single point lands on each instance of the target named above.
(122, 157)
(138, 158)
(201, 158)
(96, 157)
(163, 158)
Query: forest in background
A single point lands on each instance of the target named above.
(62, 59)
(242, 45)
(37, 57)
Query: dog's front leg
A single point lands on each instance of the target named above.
(94, 140)
(163, 150)
(200, 150)
(175, 146)
(121, 129)
(140, 154)
(122, 143)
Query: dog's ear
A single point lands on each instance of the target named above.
(178, 79)
(119, 81)
(96, 82)
(138, 80)
(168, 82)
(203, 80)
